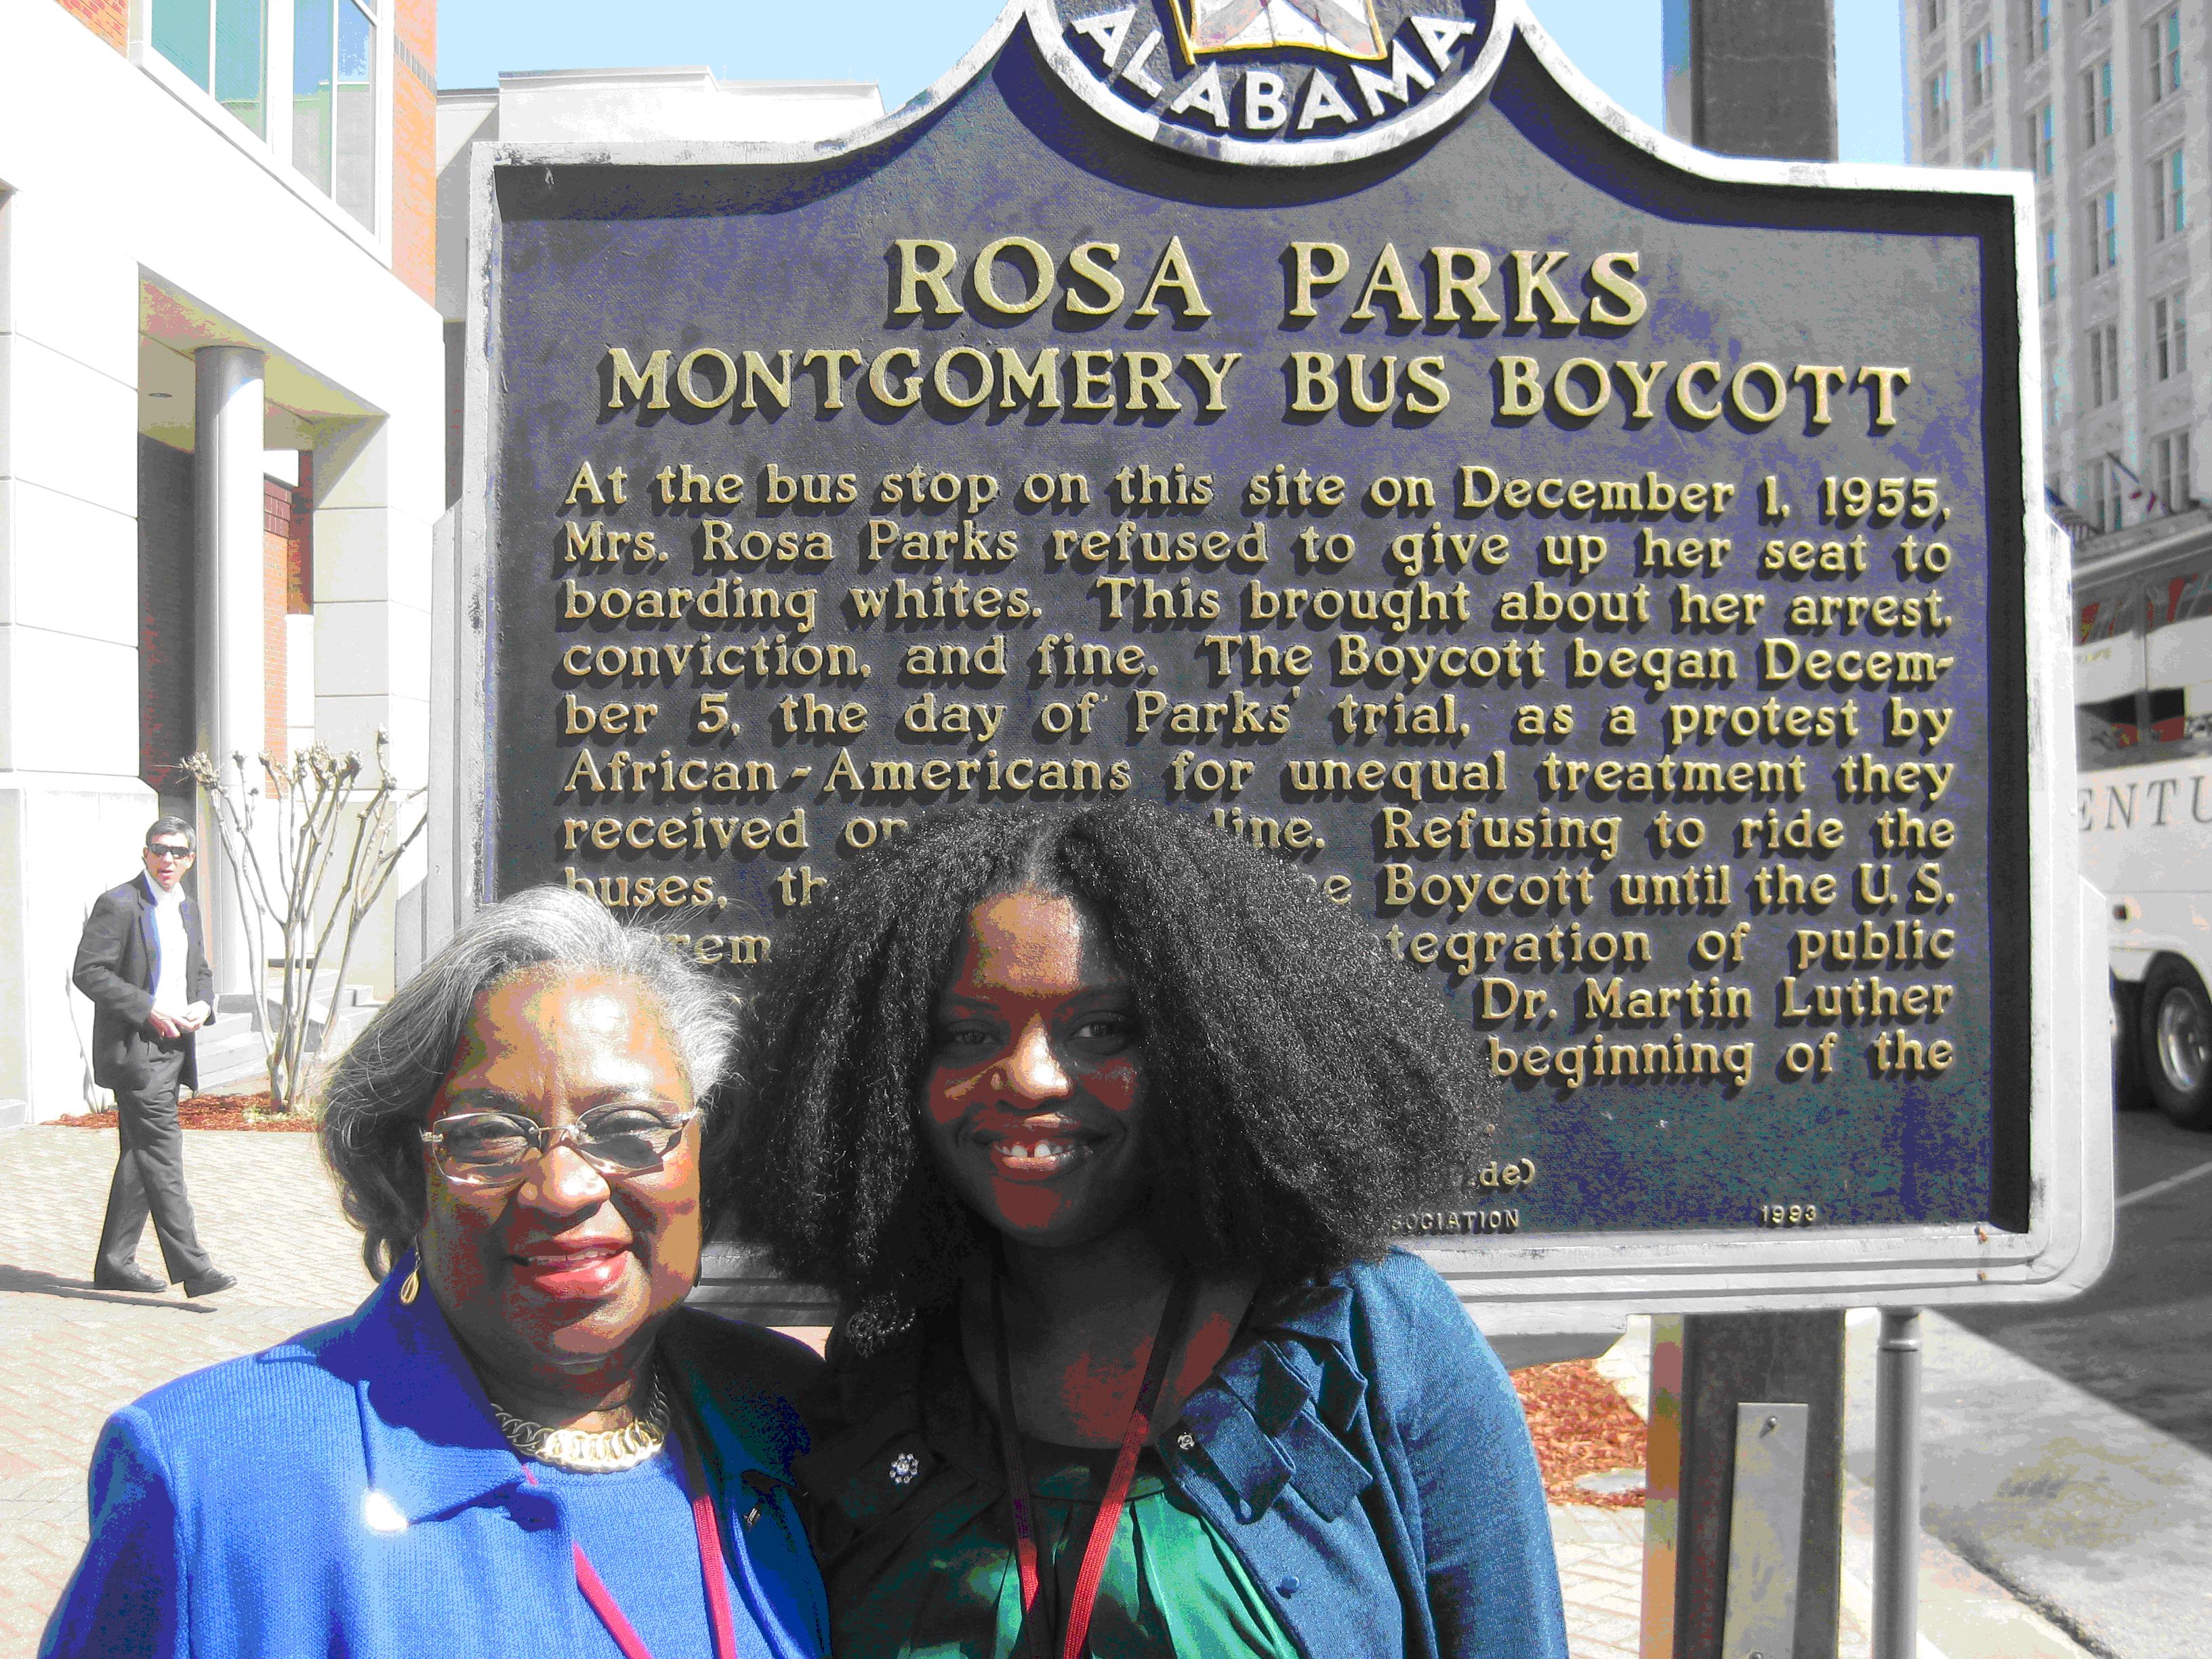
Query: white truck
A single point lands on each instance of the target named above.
(2143, 673)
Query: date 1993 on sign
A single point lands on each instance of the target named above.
(1789, 1215)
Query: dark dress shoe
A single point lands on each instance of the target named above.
(127, 1278)
(208, 1284)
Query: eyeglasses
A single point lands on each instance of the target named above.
(180, 853)
(490, 1149)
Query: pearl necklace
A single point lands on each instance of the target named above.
(605, 1451)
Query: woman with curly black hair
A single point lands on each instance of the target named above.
(1096, 1120)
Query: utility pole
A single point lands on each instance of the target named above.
(1753, 77)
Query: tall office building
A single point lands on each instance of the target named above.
(2109, 104)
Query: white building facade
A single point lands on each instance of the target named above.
(222, 427)
(2109, 104)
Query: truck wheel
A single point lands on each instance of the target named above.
(2130, 1092)
(2176, 1032)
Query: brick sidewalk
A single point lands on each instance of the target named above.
(71, 1354)
(1600, 1577)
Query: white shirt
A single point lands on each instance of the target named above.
(170, 994)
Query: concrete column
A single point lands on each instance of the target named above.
(1753, 77)
(231, 695)
(72, 810)
(377, 485)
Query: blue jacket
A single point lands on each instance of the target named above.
(255, 1507)
(1363, 1452)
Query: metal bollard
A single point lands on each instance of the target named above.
(1897, 1486)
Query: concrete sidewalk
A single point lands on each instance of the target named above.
(71, 1354)
(1964, 1613)
(2083, 1509)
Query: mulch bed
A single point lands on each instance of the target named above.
(1581, 1426)
(214, 1112)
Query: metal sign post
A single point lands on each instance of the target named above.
(1747, 78)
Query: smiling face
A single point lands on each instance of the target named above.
(566, 1270)
(1034, 1105)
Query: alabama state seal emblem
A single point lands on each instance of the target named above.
(1301, 81)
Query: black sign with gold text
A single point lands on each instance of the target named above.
(1605, 578)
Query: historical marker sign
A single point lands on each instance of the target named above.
(1617, 573)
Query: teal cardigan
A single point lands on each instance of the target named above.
(256, 1508)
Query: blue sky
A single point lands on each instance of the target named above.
(903, 45)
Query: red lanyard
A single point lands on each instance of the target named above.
(708, 1525)
(1174, 1319)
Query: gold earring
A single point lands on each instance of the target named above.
(411, 1286)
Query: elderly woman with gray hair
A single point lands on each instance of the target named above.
(521, 1441)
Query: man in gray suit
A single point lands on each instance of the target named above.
(143, 961)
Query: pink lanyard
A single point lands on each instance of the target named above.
(1173, 1320)
(708, 1525)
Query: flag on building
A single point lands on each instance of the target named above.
(2141, 492)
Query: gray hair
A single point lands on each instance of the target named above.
(378, 1092)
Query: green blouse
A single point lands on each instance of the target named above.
(916, 1538)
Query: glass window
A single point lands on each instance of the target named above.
(334, 101)
(2169, 336)
(313, 56)
(2104, 365)
(1931, 16)
(1939, 104)
(2103, 218)
(2165, 55)
(2170, 478)
(2169, 195)
(216, 45)
(239, 59)
(2050, 265)
(2097, 100)
(2109, 615)
(2042, 143)
(2183, 595)
(1981, 69)
(2038, 27)
(356, 114)
(183, 33)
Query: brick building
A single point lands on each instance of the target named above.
(221, 444)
